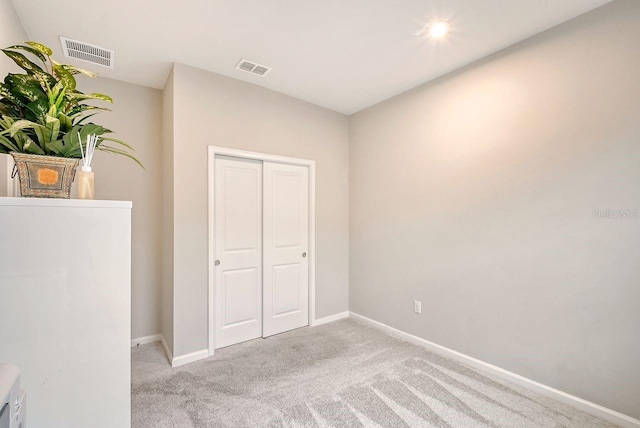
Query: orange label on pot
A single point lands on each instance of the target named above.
(47, 176)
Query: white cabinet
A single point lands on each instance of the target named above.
(65, 308)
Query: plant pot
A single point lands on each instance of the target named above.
(45, 176)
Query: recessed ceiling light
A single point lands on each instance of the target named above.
(437, 29)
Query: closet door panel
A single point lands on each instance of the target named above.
(238, 249)
(286, 240)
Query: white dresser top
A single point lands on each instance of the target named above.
(54, 202)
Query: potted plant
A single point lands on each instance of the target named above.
(44, 120)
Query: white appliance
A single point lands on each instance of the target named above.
(13, 400)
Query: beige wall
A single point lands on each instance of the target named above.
(135, 118)
(11, 33)
(210, 109)
(475, 194)
(167, 213)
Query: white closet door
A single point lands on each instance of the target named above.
(286, 240)
(238, 250)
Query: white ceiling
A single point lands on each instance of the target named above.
(345, 55)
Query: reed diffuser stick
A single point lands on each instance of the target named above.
(89, 150)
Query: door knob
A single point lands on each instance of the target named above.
(217, 262)
(304, 254)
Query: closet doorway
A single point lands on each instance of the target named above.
(261, 245)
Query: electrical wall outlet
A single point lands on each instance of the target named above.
(417, 306)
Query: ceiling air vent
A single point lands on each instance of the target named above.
(252, 67)
(87, 52)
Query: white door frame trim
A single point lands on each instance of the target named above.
(223, 151)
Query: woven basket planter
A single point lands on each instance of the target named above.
(45, 176)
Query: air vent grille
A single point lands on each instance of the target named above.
(260, 70)
(87, 52)
(252, 67)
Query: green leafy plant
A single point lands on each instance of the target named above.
(42, 112)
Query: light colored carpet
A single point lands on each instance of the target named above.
(343, 374)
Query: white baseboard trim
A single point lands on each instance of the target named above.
(189, 358)
(330, 318)
(153, 339)
(144, 340)
(175, 362)
(199, 355)
(166, 349)
(587, 406)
